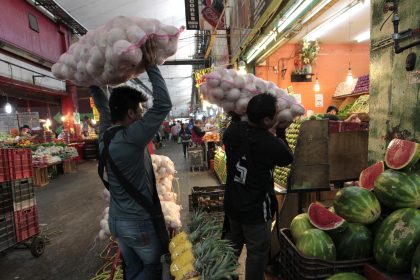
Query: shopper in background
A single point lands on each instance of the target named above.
(85, 126)
(332, 112)
(250, 203)
(174, 133)
(197, 134)
(136, 230)
(185, 136)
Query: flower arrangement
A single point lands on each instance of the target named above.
(309, 51)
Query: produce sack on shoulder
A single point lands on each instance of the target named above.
(232, 91)
(111, 54)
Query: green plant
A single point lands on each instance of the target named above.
(309, 51)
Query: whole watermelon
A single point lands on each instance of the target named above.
(397, 190)
(415, 264)
(315, 243)
(299, 225)
(374, 228)
(357, 205)
(397, 240)
(346, 276)
(354, 243)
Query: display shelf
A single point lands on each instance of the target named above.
(350, 95)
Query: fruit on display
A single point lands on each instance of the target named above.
(199, 252)
(357, 205)
(220, 165)
(355, 242)
(368, 176)
(346, 276)
(299, 225)
(374, 227)
(396, 189)
(361, 105)
(362, 84)
(111, 53)
(415, 264)
(397, 240)
(345, 112)
(401, 154)
(232, 91)
(323, 219)
(315, 243)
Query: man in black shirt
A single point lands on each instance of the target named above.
(252, 152)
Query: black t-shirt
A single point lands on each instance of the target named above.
(252, 153)
(331, 117)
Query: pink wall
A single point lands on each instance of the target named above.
(331, 66)
(49, 43)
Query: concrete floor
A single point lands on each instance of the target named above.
(70, 208)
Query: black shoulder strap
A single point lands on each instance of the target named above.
(154, 209)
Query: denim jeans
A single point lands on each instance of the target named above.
(140, 248)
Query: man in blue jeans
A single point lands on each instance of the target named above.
(130, 224)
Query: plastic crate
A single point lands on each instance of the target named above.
(350, 126)
(295, 266)
(7, 232)
(26, 223)
(23, 190)
(195, 157)
(209, 198)
(4, 166)
(20, 163)
(6, 199)
(334, 126)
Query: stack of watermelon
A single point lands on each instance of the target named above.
(379, 218)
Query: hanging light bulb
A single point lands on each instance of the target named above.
(93, 122)
(317, 86)
(241, 67)
(63, 118)
(8, 108)
(349, 79)
(47, 124)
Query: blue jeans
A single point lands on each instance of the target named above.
(140, 248)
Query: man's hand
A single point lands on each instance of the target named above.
(149, 52)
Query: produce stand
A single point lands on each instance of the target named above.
(220, 165)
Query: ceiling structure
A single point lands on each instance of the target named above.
(93, 13)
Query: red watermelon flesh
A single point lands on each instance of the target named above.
(321, 218)
(368, 176)
(401, 154)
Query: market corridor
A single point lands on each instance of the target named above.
(70, 208)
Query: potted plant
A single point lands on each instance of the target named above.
(308, 53)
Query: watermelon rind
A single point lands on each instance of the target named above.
(317, 213)
(354, 243)
(299, 225)
(415, 264)
(346, 276)
(314, 243)
(400, 145)
(357, 205)
(368, 176)
(397, 239)
(396, 189)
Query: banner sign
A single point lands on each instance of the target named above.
(204, 14)
(199, 75)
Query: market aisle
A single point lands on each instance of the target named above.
(70, 206)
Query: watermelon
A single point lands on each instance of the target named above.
(396, 189)
(401, 154)
(357, 205)
(299, 225)
(315, 243)
(346, 276)
(415, 264)
(368, 176)
(374, 228)
(397, 240)
(320, 217)
(354, 243)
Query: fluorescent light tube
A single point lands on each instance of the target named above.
(363, 37)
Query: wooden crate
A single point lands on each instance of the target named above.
(41, 176)
(69, 166)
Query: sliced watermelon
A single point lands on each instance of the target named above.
(401, 154)
(320, 217)
(368, 176)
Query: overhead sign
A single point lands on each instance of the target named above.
(204, 14)
(199, 79)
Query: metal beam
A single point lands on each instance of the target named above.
(187, 62)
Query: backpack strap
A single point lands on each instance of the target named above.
(154, 209)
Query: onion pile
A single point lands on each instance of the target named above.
(164, 170)
(232, 91)
(111, 53)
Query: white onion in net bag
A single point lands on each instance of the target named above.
(232, 92)
(111, 53)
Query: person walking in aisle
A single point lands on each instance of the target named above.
(250, 203)
(197, 134)
(185, 136)
(174, 133)
(135, 214)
